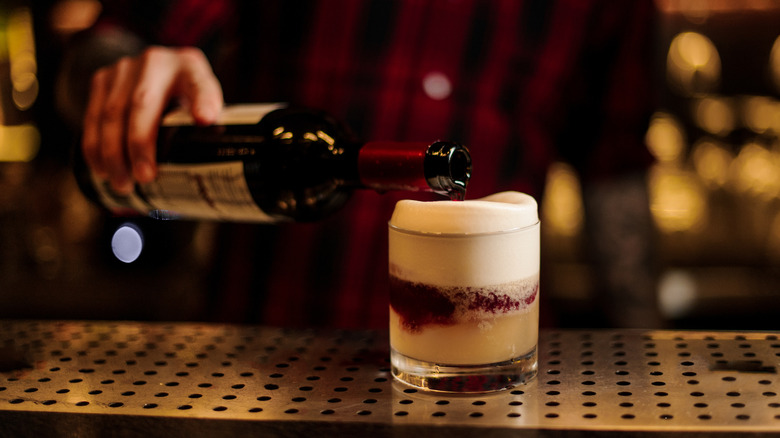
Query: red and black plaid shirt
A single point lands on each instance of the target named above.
(522, 83)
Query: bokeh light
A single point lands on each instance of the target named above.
(715, 115)
(693, 64)
(677, 199)
(127, 243)
(562, 209)
(665, 137)
(712, 161)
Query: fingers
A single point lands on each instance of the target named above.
(164, 74)
(150, 97)
(113, 125)
(200, 86)
(126, 104)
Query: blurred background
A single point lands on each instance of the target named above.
(714, 190)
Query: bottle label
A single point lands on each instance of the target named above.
(245, 114)
(213, 191)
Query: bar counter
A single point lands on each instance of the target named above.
(95, 378)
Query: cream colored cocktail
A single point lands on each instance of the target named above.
(464, 277)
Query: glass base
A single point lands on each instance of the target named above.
(464, 378)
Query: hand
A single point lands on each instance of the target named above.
(126, 103)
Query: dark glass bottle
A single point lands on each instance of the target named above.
(271, 163)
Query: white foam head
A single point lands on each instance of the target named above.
(498, 212)
(487, 241)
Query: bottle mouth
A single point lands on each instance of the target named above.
(448, 169)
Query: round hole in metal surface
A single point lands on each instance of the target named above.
(161, 394)
(116, 405)
(769, 394)
(16, 401)
(476, 414)
(589, 416)
(364, 412)
(515, 403)
(589, 404)
(401, 413)
(184, 407)
(441, 402)
(552, 403)
(220, 408)
(743, 417)
(334, 400)
(49, 402)
(195, 395)
(438, 414)
(588, 393)
(255, 410)
(408, 402)
(95, 392)
(661, 394)
(737, 405)
(82, 403)
(733, 394)
(128, 393)
(63, 391)
(551, 415)
(276, 375)
(553, 392)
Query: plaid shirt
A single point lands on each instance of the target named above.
(522, 83)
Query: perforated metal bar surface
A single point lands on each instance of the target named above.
(153, 379)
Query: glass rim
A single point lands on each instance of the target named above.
(462, 234)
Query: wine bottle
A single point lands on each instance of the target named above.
(269, 163)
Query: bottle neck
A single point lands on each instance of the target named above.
(441, 167)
